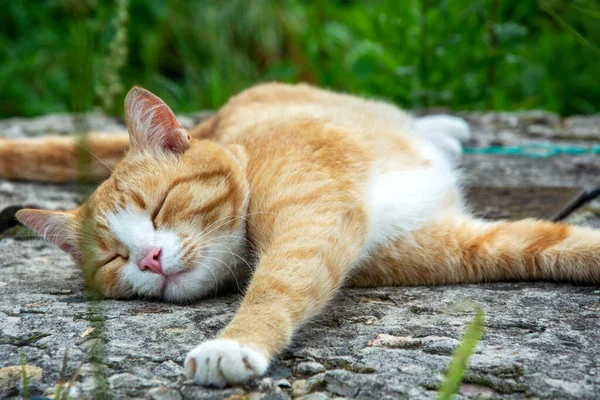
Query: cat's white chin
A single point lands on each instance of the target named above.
(188, 285)
(220, 362)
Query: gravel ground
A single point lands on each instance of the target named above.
(541, 339)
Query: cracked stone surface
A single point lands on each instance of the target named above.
(541, 340)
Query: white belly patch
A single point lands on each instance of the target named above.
(400, 202)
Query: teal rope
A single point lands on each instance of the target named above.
(533, 150)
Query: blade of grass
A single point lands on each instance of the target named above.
(456, 370)
(61, 375)
(24, 376)
(65, 395)
(568, 27)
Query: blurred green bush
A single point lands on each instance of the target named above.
(465, 55)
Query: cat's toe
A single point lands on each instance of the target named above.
(220, 362)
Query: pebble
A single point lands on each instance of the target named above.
(6, 188)
(302, 387)
(314, 396)
(284, 383)
(533, 335)
(395, 342)
(164, 393)
(309, 368)
(276, 396)
(11, 375)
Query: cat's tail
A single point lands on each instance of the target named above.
(54, 158)
(465, 250)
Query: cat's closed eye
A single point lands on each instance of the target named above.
(111, 259)
(159, 208)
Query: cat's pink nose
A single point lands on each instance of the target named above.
(151, 261)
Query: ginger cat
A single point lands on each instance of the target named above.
(301, 188)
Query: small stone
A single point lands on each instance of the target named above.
(169, 369)
(127, 380)
(440, 346)
(361, 368)
(395, 342)
(340, 382)
(279, 370)
(472, 390)
(540, 131)
(309, 353)
(6, 188)
(11, 375)
(339, 362)
(314, 396)
(276, 396)
(284, 383)
(266, 384)
(302, 387)
(164, 393)
(309, 368)
(533, 335)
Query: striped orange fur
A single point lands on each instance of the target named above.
(323, 188)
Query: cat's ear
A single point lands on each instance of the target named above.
(152, 125)
(57, 227)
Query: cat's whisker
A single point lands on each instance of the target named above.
(237, 283)
(92, 154)
(212, 273)
(233, 254)
(212, 241)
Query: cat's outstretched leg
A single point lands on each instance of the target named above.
(446, 132)
(465, 250)
(305, 264)
(54, 158)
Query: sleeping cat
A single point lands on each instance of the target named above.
(302, 189)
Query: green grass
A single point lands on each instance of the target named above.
(24, 377)
(458, 365)
(462, 54)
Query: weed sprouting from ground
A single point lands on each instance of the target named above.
(24, 376)
(458, 364)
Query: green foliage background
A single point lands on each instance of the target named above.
(461, 54)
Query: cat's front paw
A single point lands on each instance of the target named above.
(220, 362)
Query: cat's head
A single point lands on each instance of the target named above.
(168, 223)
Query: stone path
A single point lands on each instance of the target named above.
(542, 340)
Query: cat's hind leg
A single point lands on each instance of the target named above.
(447, 133)
(461, 249)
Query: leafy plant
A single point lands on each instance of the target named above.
(465, 55)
